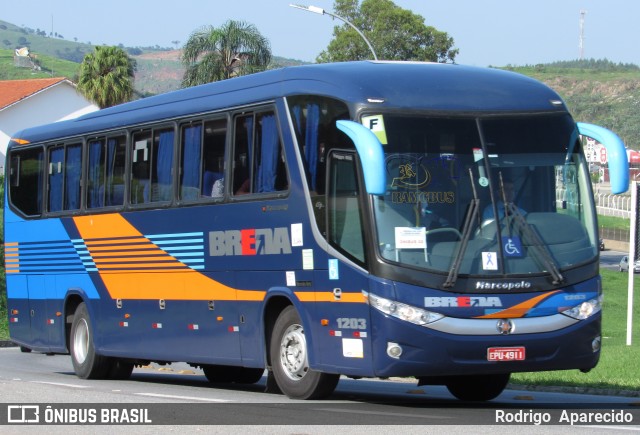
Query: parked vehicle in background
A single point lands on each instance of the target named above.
(624, 265)
(602, 244)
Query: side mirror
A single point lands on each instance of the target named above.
(616, 154)
(371, 155)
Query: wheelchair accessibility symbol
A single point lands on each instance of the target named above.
(511, 246)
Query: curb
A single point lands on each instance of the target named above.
(5, 343)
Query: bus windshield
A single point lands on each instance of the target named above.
(484, 195)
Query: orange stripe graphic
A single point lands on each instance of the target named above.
(186, 284)
(518, 310)
(328, 297)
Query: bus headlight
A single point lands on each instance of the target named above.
(585, 309)
(408, 313)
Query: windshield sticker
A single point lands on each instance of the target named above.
(489, 261)
(411, 238)
(512, 246)
(375, 123)
(412, 176)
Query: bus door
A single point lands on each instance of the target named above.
(347, 337)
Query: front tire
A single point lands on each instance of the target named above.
(476, 388)
(86, 362)
(290, 363)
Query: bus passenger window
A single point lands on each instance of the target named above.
(151, 167)
(141, 168)
(215, 138)
(26, 180)
(258, 163)
(202, 151)
(162, 165)
(105, 176)
(72, 177)
(56, 159)
(190, 157)
(114, 170)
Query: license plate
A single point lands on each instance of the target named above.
(505, 353)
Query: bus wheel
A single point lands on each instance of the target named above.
(478, 387)
(290, 364)
(86, 363)
(119, 369)
(239, 375)
(24, 349)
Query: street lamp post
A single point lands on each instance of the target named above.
(317, 10)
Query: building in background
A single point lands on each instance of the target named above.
(27, 103)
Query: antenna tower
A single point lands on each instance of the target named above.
(581, 45)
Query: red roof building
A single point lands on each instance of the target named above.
(27, 103)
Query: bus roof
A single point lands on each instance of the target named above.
(408, 85)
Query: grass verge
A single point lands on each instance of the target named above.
(619, 366)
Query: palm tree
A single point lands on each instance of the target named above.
(106, 76)
(236, 48)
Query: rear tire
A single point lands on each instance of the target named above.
(86, 362)
(476, 388)
(290, 364)
(238, 375)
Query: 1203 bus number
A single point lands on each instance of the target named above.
(351, 323)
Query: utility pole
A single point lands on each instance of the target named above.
(581, 45)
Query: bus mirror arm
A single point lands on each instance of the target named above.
(371, 155)
(616, 154)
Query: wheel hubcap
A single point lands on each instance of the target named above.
(293, 353)
(81, 341)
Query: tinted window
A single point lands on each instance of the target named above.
(26, 180)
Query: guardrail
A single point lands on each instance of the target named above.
(607, 204)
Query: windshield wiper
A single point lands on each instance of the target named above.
(472, 214)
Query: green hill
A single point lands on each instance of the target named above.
(596, 91)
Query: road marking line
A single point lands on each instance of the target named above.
(60, 384)
(169, 396)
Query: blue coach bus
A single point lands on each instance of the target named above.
(366, 219)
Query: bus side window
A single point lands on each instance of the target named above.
(55, 178)
(72, 176)
(141, 168)
(258, 162)
(114, 170)
(162, 166)
(215, 138)
(152, 166)
(346, 231)
(190, 161)
(26, 180)
(64, 173)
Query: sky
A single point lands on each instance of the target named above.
(487, 32)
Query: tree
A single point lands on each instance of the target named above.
(106, 76)
(236, 48)
(394, 33)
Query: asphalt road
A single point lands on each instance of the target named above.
(179, 394)
(610, 259)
